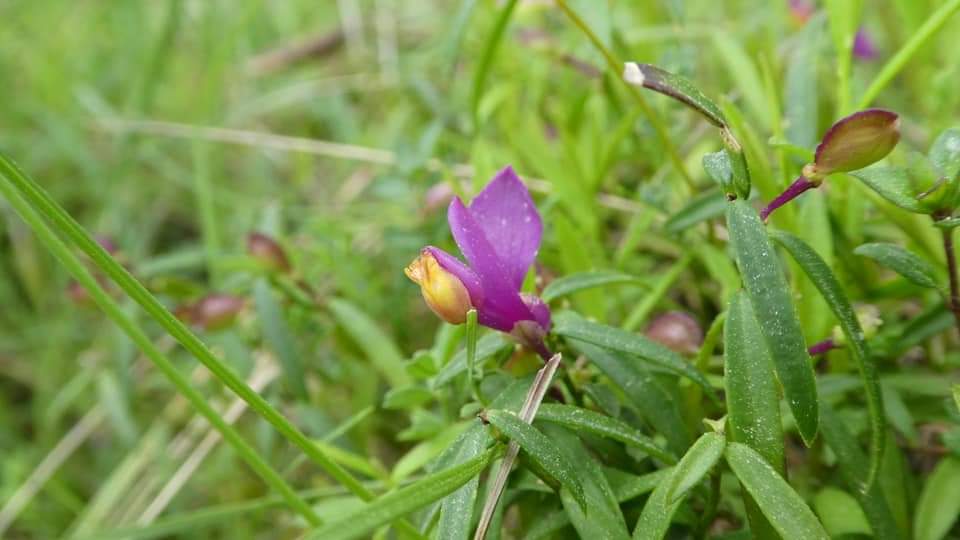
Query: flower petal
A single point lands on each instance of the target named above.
(502, 306)
(463, 272)
(511, 223)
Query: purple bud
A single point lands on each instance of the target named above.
(268, 252)
(676, 330)
(438, 196)
(855, 142)
(863, 46)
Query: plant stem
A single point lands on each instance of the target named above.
(952, 272)
(616, 66)
(471, 338)
(116, 313)
(799, 186)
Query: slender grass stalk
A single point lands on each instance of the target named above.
(17, 184)
(493, 43)
(931, 26)
(8, 187)
(616, 66)
(204, 197)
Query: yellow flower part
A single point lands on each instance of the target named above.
(443, 292)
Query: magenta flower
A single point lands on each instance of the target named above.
(499, 235)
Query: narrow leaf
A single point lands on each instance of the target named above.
(586, 280)
(939, 503)
(893, 184)
(782, 506)
(602, 425)
(901, 261)
(831, 291)
(675, 86)
(540, 449)
(657, 513)
(374, 342)
(695, 464)
(707, 205)
(571, 325)
(487, 346)
(402, 502)
(770, 295)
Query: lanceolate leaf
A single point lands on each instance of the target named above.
(854, 468)
(403, 501)
(785, 510)
(770, 295)
(571, 325)
(939, 503)
(893, 184)
(277, 335)
(831, 290)
(753, 400)
(601, 517)
(657, 513)
(379, 348)
(901, 261)
(586, 280)
(675, 86)
(707, 205)
(602, 425)
(540, 449)
(656, 403)
(695, 464)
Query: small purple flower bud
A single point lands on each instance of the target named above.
(854, 142)
(677, 331)
(268, 252)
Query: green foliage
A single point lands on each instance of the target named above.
(151, 139)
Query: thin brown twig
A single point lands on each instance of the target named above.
(952, 272)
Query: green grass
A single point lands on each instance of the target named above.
(166, 127)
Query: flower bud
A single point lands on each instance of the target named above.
(677, 331)
(216, 311)
(443, 292)
(854, 142)
(267, 251)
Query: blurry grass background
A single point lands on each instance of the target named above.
(108, 105)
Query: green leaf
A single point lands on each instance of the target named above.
(406, 397)
(893, 184)
(781, 505)
(278, 338)
(601, 517)
(540, 449)
(770, 295)
(945, 153)
(840, 513)
(695, 464)
(586, 420)
(456, 512)
(399, 503)
(489, 345)
(658, 405)
(586, 280)
(901, 261)
(675, 86)
(379, 348)
(948, 223)
(571, 325)
(657, 513)
(753, 399)
(704, 206)
(831, 291)
(939, 502)
(854, 468)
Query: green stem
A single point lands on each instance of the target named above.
(46, 206)
(115, 312)
(930, 27)
(472, 355)
(616, 66)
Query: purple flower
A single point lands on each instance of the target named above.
(499, 235)
(863, 46)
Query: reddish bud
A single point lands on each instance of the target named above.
(854, 142)
(216, 311)
(677, 331)
(268, 252)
